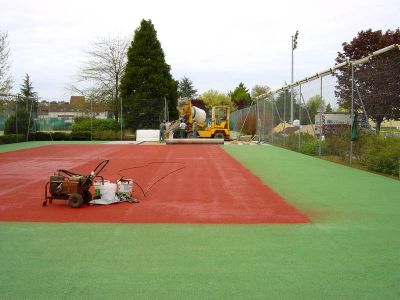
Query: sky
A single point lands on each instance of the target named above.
(216, 44)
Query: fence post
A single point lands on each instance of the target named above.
(300, 118)
(120, 117)
(284, 117)
(352, 113)
(263, 121)
(320, 123)
(272, 121)
(16, 117)
(91, 119)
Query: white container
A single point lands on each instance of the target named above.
(97, 184)
(107, 190)
(125, 186)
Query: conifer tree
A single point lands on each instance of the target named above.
(147, 81)
(186, 89)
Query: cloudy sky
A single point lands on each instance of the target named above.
(217, 44)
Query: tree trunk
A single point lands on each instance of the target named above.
(378, 125)
(117, 107)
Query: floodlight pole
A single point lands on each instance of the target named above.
(16, 117)
(291, 90)
(294, 46)
(91, 119)
(352, 115)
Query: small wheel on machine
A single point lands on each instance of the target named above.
(87, 197)
(75, 200)
(219, 135)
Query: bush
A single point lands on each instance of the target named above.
(84, 124)
(80, 136)
(50, 136)
(381, 154)
(338, 143)
(102, 129)
(308, 144)
(106, 135)
(61, 136)
(12, 138)
(40, 136)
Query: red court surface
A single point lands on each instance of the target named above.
(184, 184)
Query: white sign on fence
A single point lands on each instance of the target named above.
(147, 135)
(329, 119)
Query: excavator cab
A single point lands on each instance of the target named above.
(220, 117)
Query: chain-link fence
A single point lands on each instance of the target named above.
(24, 117)
(349, 114)
(31, 118)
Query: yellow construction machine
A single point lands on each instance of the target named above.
(217, 127)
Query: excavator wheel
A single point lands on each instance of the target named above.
(219, 135)
(75, 200)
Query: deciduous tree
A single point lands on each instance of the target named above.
(214, 98)
(100, 76)
(5, 76)
(258, 90)
(377, 80)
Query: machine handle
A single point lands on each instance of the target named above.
(99, 167)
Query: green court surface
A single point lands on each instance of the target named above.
(26, 145)
(350, 250)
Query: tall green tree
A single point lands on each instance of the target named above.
(186, 89)
(147, 81)
(328, 108)
(27, 94)
(378, 80)
(22, 120)
(27, 89)
(240, 96)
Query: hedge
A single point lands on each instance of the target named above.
(381, 154)
(12, 138)
(85, 124)
(377, 153)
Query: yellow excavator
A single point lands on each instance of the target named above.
(217, 127)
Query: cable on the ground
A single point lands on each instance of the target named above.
(158, 180)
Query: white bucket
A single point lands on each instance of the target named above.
(97, 184)
(125, 186)
(105, 191)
